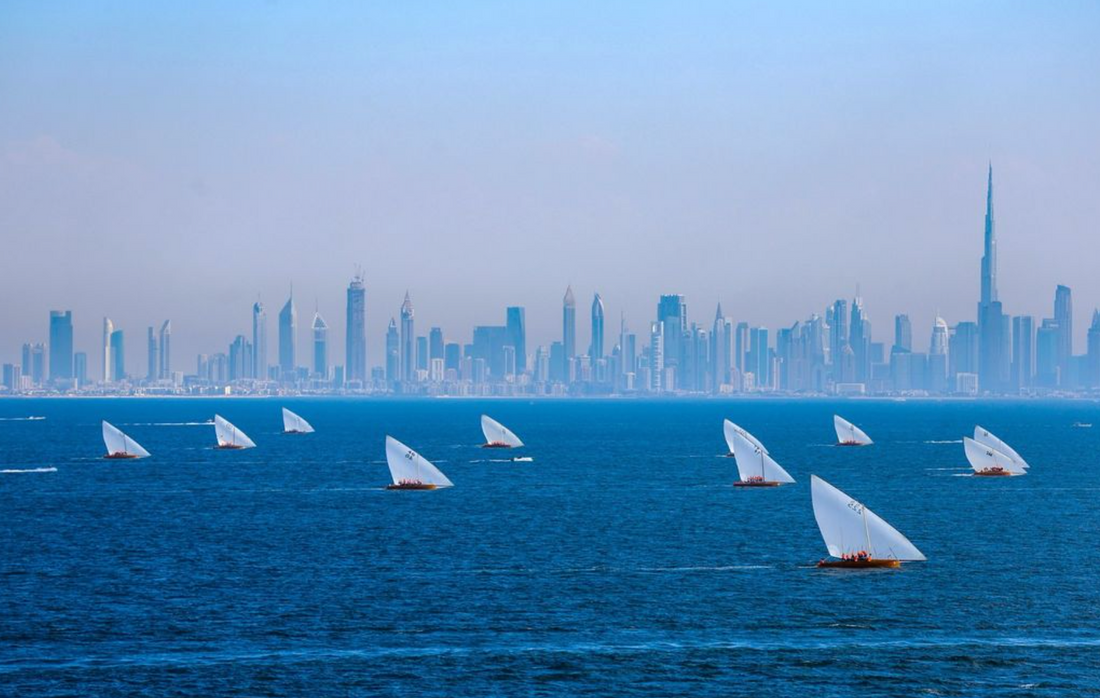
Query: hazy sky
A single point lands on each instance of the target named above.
(176, 163)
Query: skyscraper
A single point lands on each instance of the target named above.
(1063, 316)
(656, 356)
(320, 346)
(672, 313)
(164, 370)
(118, 356)
(288, 337)
(61, 345)
(838, 339)
(108, 328)
(595, 349)
(903, 333)
(515, 319)
(1023, 351)
(568, 329)
(154, 358)
(355, 340)
(259, 341)
(393, 353)
(993, 325)
(859, 338)
(408, 341)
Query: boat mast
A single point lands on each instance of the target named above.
(866, 530)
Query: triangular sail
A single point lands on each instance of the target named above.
(294, 424)
(753, 463)
(729, 429)
(497, 433)
(229, 435)
(119, 443)
(983, 457)
(983, 436)
(849, 527)
(848, 433)
(408, 466)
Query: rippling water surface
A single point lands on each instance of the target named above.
(619, 562)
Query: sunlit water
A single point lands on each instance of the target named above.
(619, 562)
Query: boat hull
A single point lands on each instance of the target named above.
(757, 483)
(859, 564)
(495, 444)
(851, 443)
(410, 486)
(228, 447)
(120, 456)
(992, 473)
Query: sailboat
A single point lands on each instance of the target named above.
(756, 467)
(989, 462)
(855, 536)
(293, 424)
(497, 435)
(229, 436)
(731, 430)
(120, 446)
(984, 437)
(848, 434)
(410, 470)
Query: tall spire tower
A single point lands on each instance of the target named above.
(989, 258)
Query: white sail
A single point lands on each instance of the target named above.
(497, 433)
(752, 462)
(848, 433)
(983, 457)
(406, 465)
(983, 436)
(119, 443)
(729, 429)
(293, 424)
(849, 527)
(229, 435)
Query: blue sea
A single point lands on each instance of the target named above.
(620, 562)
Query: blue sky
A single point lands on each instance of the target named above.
(177, 162)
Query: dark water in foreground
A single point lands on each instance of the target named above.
(619, 562)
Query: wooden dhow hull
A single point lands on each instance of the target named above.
(869, 564)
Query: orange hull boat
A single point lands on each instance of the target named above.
(229, 447)
(992, 473)
(410, 486)
(119, 456)
(756, 483)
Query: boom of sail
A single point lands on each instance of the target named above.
(230, 436)
(757, 467)
(983, 436)
(986, 460)
(850, 528)
(120, 445)
(293, 424)
(848, 434)
(410, 470)
(497, 435)
(731, 430)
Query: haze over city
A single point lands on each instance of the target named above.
(181, 163)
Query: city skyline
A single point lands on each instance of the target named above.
(832, 352)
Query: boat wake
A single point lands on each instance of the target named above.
(22, 419)
(13, 471)
(167, 424)
(948, 441)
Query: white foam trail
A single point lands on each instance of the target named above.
(167, 424)
(951, 441)
(22, 419)
(12, 471)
